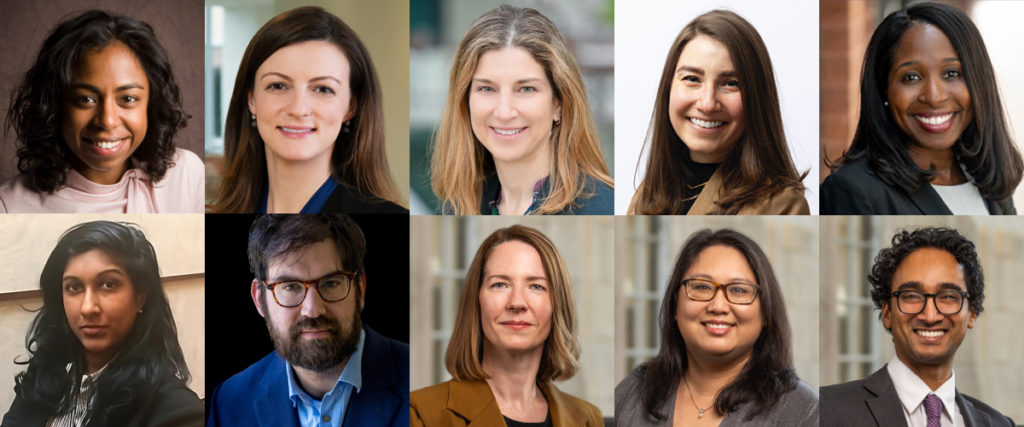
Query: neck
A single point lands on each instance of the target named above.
(517, 182)
(291, 184)
(707, 376)
(513, 379)
(317, 384)
(946, 169)
(934, 376)
(109, 177)
(96, 361)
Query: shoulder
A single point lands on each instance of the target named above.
(798, 406)
(383, 350)
(16, 196)
(842, 389)
(350, 200)
(183, 187)
(788, 201)
(979, 409)
(188, 167)
(598, 199)
(852, 189)
(578, 410)
(242, 386)
(428, 405)
(174, 404)
(627, 389)
(430, 396)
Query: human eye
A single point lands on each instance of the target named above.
(484, 89)
(698, 285)
(290, 286)
(72, 288)
(324, 90)
(952, 74)
(740, 288)
(275, 86)
(949, 296)
(910, 77)
(109, 285)
(331, 283)
(911, 296)
(528, 89)
(538, 287)
(690, 79)
(83, 100)
(498, 285)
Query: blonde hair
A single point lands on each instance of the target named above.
(560, 360)
(460, 164)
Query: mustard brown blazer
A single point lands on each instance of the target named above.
(789, 201)
(471, 403)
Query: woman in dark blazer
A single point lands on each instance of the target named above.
(515, 333)
(104, 348)
(932, 137)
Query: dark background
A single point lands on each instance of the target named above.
(178, 25)
(236, 335)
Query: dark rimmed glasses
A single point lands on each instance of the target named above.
(946, 302)
(735, 292)
(332, 288)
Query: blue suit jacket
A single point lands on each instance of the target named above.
(258, 396)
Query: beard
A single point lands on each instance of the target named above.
(319, 354)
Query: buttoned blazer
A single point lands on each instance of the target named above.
(854, 189)
(258, 396)
(873, 402)
(789, 201)
(471, 403)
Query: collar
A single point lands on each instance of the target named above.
(474, 401)
(912, 390)
(352, 375)
(540, 192)
(315, 203)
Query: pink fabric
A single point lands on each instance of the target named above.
(180, 191)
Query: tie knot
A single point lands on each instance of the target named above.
(933, 409)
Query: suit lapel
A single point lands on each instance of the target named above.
(272, 405)
(966, 410)
(885, 406)
(375, 404)
(928, 201)
(562, 413)
(705, 202)
(474, 402)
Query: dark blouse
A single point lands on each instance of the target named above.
(698, 173)
(513, 423)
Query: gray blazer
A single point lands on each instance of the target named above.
(798, 407)
(873, 402)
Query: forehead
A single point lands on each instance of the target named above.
(706, 53)
(511, 63)
(92, 260)
(923, 40)
(115, 62)
(721, 263)
(514, 257)
(307, 60)
(929, 268)
(308, 262)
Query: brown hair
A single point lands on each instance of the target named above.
(460, 164)
(560, 360)
(759, 164)
(357, 159)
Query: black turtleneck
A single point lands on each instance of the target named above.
(695, 175)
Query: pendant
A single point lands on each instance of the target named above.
(700, 414)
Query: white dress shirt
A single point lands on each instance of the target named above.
(912, 390)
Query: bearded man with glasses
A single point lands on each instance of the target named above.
(929, 287)
(328, 369)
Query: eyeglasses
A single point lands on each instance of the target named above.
(946, 302)
(332, 288)
(736, 292)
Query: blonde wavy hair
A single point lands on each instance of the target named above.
(560, 360)
(460, 164)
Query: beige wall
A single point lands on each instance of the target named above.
(179, 244)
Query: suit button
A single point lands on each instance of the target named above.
(327, 418)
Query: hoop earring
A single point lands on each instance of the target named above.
(252, 123)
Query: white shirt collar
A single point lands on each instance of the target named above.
(912, 390)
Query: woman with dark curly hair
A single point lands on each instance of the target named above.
(96, 117)
(932, 136)
(104, 347)
(726, 354)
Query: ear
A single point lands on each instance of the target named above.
(558, 111)
(352, 105)
(254, 292)
(886, 311)
(970, 319)
(140, 301)
(252, 104)
(362, 290)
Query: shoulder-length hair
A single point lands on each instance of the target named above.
(149, 356)
(560, 360)
(759, 165)
(986, 148)
(37, 104)
(358, 158)
(767, 375)
(460, 164)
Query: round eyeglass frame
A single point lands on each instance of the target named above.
(315, 283)
(725, 286)
(964, 296)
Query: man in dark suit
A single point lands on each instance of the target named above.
(929, 286)
(328, 369)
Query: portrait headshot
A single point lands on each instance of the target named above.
(312, 320)
(525, 123)
(932, 133)
(712, 107)
(315, 118)
(707, 331)
(505, 310)
(112, 333)
(914, 315)
(103, 109)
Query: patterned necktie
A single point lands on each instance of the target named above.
(933, 408)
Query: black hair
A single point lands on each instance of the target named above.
(986, 148)
(272, 236)
(36, 112)
(768, 375)
(149, 356)
(947, 239)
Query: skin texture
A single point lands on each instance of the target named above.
(315, 323)
(510, 91)
(101, 305)
(928, 270)
(106, 104)
(706, 87)
(926, 81)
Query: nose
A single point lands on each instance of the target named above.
(90, 303)
(299, 104)
(930, 313)
(934, 92)
(516, 299)
(506, 109)
(707, 98)
(108, 115)
(313, 306)
(718, 303)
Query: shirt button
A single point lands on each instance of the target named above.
(327, 418)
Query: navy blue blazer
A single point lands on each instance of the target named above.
(600, 202)
(258, 396)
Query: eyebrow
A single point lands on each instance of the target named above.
(909, 63)
(289, 278)
(700, 71)
(95, 89)
(520, 81)
(711, 279)
(107, 271)
(509, 278)
(917, 286)
(285, 77)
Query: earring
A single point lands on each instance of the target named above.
(886, 103)
(140, 311)
(252, 117)
(344, 126)
(558, 122)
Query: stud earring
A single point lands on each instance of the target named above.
(252, 123)
(558, 122)
(886, 103)
(345, 126)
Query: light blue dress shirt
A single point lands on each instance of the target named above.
(329, 411)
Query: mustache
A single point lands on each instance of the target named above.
(313, 323)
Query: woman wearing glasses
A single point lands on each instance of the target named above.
(725, 356)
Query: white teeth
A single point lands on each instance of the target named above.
(705, 123)
(717, 325)
(508, 131)
(107, 145)
(931, 334)
(935, 120)
(296, 130)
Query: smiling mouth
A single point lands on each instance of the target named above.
(706, 124)
(296, 130)
(508, 131)
(106, 143)
(718, 326)
(933, 120)
(929, 333)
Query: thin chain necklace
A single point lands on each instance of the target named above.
(700, 412)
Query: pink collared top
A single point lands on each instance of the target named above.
(180, 191)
